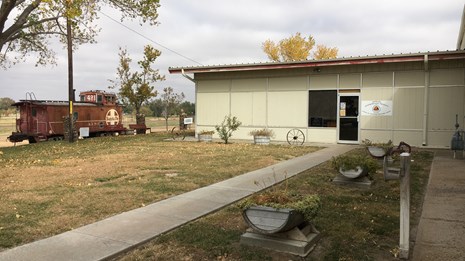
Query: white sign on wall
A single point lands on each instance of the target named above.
(377, 108)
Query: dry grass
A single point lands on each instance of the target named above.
(7, 125)
(51, 187)
(355, 224)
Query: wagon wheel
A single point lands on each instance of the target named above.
(177, 134)
(295, 137)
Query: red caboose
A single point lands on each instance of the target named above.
(43, 120)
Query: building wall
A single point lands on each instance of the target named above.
(278, 99)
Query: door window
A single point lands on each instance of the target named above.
(348, 118)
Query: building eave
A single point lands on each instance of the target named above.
(394, 58)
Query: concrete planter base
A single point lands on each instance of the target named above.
(362, 182)
(298, 241)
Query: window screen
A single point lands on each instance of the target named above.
(322, 108)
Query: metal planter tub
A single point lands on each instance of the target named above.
(268, 220)
(358, 172)
(377, 152)
(283, 230)
(261, 140)
(205, 137)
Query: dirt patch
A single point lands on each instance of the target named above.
(5, 143)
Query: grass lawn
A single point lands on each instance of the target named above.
(51, 187)
(355, 224)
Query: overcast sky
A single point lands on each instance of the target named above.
(213, 32)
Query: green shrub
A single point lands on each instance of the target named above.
(227, 127)
(347, 162)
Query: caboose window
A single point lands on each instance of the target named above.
(34, 112)
(99, 98)
(83, 98)
(75, 115)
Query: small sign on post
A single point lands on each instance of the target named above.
(188, 121)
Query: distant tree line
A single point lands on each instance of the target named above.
(156, 108)
(5, 106)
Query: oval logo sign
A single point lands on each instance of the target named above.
(112, 117)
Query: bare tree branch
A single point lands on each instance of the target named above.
(22, 19)
(33, 21)
(5, 9)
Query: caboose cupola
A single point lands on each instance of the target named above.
(98, 96)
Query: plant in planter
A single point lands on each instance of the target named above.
(378, 150)
(283, 217)
(262, 136)
(206, 135)
(288, 206)
(354, 166)
(308, 205)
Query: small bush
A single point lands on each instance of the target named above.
(308, 205)
(206, 132)
(347, 162)
(227, 127)
(387, 146)
(262, 132)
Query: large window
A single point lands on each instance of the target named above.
(322, 108)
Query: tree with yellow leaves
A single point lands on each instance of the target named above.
(297, 48)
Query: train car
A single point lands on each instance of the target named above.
(41, 120)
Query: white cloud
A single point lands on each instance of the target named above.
(231, 31)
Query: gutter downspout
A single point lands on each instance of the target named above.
(425, 100)
(187, 76)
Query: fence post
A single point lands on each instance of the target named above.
(404, 205)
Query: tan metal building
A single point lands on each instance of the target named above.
(408, 97)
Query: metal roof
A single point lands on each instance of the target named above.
(52, 103)
(392, 58)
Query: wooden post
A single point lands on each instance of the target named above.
(404, 205)
(69, 39)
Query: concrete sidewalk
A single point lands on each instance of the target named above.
(119, 233)
(441, 231)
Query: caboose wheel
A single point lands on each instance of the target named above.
(295, 137)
